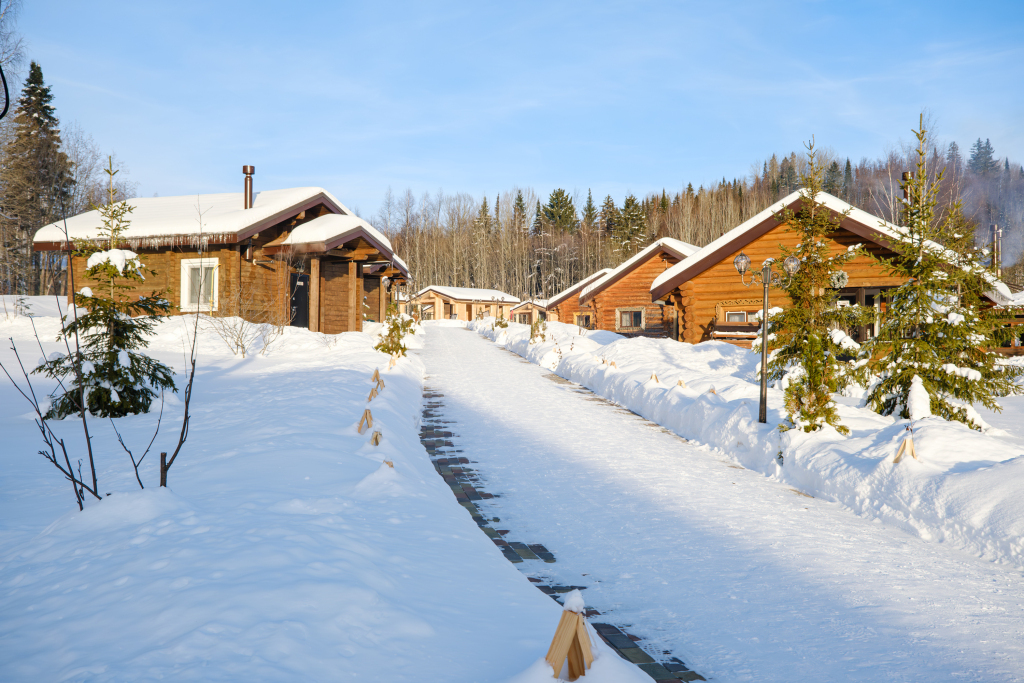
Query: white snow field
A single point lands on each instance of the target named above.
(738, 574)
(283, 549)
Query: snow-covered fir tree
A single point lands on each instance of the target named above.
(936, 325)
(106, 368)
(810, 347)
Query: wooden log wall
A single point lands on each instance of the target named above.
(698, 297)
(633, 291)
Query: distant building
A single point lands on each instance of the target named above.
(564, 307)
(461, 303)
(529, 312)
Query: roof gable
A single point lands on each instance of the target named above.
(161, 221)
(680, 250)
(857, 221)
(565, 293)
(469, 294)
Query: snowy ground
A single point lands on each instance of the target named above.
(283, 549)
(743, 577)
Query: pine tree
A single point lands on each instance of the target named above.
(560, 213)
(628, 236)
(935, 326)
(35, 182)
(689, 190)
(982, 161)
(589, 217)
(663, 206)
(808, 340)
(609, 217)
(954, 162)
(483, 219)
(847, 180)
(110, 373)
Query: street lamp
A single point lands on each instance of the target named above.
(791, 265)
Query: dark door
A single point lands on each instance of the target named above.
(300, 300)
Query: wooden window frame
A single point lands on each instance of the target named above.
(728, 313)
(631, 309)
(187, 264)
(576, 320)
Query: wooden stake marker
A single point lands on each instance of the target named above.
(376, 376)
(571, 640)
(654, 376)
(380, 384)
(375, 439)
(366, 422)
(906, 447)
(681, 384)
(373, 395)
(389, 464)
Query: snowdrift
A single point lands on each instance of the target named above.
(965, 490)
(284, 548)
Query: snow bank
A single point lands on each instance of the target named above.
(964, 491)
(284, 549)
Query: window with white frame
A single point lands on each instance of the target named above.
(629, 319)
(199, 284)
(735, 316)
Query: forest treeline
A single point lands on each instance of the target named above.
(533, 247)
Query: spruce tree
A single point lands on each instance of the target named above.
(847, 180)
(560, 213)
(609, 217)
(936, 326)
(631, 230)
(538, 220)
(110, 373)
(982, 161)
(483, 219)
(833, 179)
(809, 346)
(35, 181)
(589, 217)
(519, 211)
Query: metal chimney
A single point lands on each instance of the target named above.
(997, 250)
(247, 195)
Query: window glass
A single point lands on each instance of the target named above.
(200, 285)
(736, 317)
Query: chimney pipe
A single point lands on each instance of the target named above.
(997, 250)
(247, 195)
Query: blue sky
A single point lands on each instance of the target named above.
(479, 97)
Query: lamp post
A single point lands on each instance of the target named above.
(791, 265)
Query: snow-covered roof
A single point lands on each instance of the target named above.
(681, 250)
(334, 227)
(469, 294)
(159, 221)
(566, 293)
(870, 227)
(539, 303)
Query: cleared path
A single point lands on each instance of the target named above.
(744, 578)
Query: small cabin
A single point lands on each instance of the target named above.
(707, 293)
(621, 299)
(461, 303)
(295, 257)
(565, 307)
(529, 312)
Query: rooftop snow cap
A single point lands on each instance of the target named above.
(247, 194)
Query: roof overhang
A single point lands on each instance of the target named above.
(659, 247)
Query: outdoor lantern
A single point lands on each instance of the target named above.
(742, 262)
(791, 265)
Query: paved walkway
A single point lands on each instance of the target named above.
(743, 578)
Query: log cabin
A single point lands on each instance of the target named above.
(295, 256)
(707, 294)
(565, 307)
(529, 312)
(621, 300)
(438, 302)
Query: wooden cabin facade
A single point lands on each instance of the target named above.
(291, 257)
(707, 295)
(565, 306)
(621, 300)
(529, 312)
(461, 303)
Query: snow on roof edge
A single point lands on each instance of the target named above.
(676, 245)
(564, 294)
